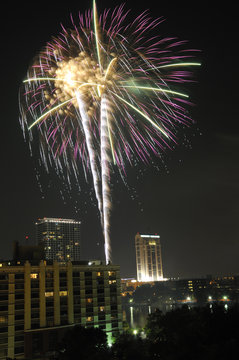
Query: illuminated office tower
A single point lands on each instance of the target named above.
(148, 257)
(60, 238)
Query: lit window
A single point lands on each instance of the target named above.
(48, 293)
(152, 243)
(89, 318)
(99, 273)
(111, 273)
(3, 319)
(63, 293)
(89, 300)
(34, 276)
(102, 308)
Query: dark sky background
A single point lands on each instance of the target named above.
(191, 202)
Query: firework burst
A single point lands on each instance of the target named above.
(105, 93)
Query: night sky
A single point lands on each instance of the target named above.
(191, 201)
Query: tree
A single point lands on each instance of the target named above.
(194, 334)
(84, 343)
(130, 347)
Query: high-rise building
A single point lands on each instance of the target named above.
(60, 238)
(39, 302)
(148, 257)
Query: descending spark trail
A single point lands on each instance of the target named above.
(96, 32)
(102, 96)
(105, 161)
(92, 156)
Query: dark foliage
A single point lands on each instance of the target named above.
(203, 333)
(130, 347)
(198, 333)
(85, 344)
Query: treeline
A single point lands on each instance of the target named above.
(204, 333)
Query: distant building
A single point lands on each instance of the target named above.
(128, 286)
(148, 258)
(60, 238)
(27, 252)
(139, 299)
(173, 293)
(39, 302)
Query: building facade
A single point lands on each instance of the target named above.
(38, 303)
(60, 238)
(148, 258)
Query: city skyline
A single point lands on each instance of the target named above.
(191, 201)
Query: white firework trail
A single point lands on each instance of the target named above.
(105, 172)
(92, 153)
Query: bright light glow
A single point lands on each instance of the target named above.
(152, 243)
(150, 236)
(69, 79)
(146, 278)
(57, 220)
(33, 276)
